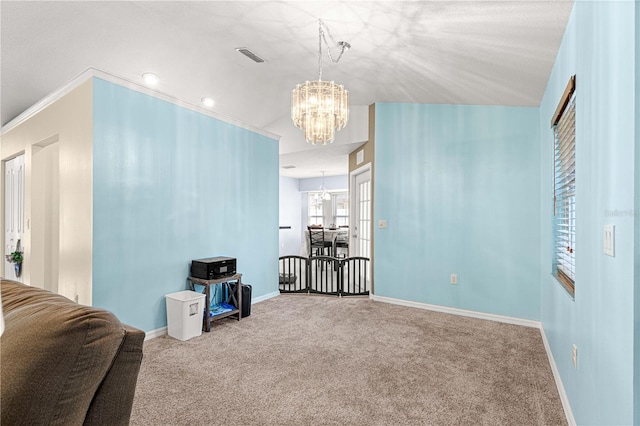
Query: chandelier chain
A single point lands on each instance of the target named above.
(333, 43)
(320, 34)
(322, 28)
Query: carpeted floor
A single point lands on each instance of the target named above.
(316, 360)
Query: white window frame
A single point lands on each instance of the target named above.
(331, 214)
(334, 201)
(316, 219)
(564, 187)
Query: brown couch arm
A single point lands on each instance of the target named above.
(113, 401)
(59, 359)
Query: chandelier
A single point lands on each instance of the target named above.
(320, 108)
(325, 195)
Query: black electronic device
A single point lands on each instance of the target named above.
(213, 268)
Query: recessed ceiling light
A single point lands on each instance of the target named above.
(150, 78)
(208, 101)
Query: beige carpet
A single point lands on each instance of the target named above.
(317, 360)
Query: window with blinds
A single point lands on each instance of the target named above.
(314, 203)
(564, 130)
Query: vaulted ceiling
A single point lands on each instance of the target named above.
(452, 52)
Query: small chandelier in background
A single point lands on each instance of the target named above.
(325, 195)
(320, 108)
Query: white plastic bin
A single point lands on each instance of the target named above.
(184, 314)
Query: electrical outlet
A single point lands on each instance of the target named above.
(454, 278)
(609, 239)
(574, 356)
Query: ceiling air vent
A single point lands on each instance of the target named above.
(289, 167)
(249, 54)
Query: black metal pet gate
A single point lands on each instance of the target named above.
(324, 275)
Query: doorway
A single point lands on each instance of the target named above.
(361, 211)
(14, 211)
(45, 215)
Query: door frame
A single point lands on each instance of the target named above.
(7, 270)
(368, 167)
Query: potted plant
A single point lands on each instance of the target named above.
(16, 258)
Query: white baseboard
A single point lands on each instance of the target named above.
(155, 333)
(264, 297)
(499, 318)
(163, 330)
(556, 375)
(456, 311)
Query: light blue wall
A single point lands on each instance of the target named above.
(171, 185)
(332, 183)
(458, 186)
(290, 215)
(636, 387)
(598, 47)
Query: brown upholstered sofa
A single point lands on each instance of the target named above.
(63, 363)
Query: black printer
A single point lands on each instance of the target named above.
(213, 268)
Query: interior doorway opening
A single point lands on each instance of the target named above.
(45, 215)
(13, 213)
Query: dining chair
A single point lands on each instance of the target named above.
(342, 242)
(318, 242)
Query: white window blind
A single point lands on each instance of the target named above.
(564, 131)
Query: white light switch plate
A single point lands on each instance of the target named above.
(609, 240)
(382, 224)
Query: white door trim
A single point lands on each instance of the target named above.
(352, 199)
(359, 170)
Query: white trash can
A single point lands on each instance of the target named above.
(185, 314)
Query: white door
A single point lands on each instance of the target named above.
(361, 220)
(13, 211)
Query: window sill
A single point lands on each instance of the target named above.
(570, 291)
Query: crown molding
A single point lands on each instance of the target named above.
(90, 73)
(48, 100)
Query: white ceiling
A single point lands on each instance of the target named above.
(452, 52)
